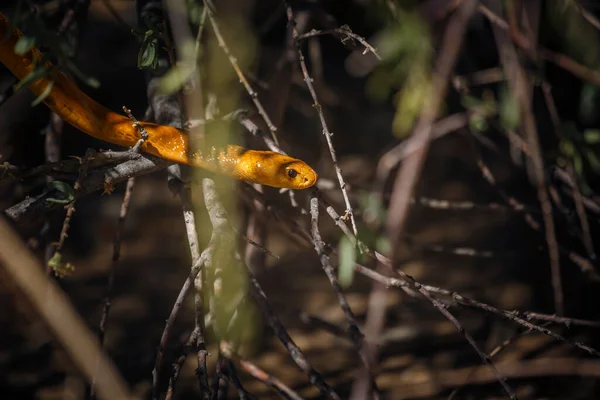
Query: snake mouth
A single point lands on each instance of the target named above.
(309, 180)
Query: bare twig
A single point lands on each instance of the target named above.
(518, 81)
(407, 177)
(318, 107)
(517, 369)
(355, 333)
(111, 274)
(561, 60)
(251, 92)
(266, 378)
(345, 32)
(169, 325)
(179, 363)
(577, 196)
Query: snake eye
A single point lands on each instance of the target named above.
(292, 173)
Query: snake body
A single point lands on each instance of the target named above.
(167, 142)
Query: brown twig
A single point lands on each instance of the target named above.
(187, 347)
(251, 92)
(514, 369)
(407, 177)
(561, 60)
(344, 32)
(519, 83)
(577, 196)
(583, 263)
(111, 275)
(356, 335)
(169, 325)
(252, 369)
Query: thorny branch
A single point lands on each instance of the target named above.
(308, 80)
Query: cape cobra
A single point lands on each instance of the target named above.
(79, 110)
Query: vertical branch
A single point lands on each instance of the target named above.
(111, 274)
(407, 177)
(577, 197)
(355, 333)
(518, 83)
(251, 92)
(308, 80)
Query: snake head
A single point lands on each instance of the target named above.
(298, 175)
(272, 169)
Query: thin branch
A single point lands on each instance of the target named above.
(407, 177)
(253, 95)
(111, 274)
(187, 347)
(169, 324)
(252, 369)
(308, 80)
(356, 335)
(344, 32)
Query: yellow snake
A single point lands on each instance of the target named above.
(79, 110)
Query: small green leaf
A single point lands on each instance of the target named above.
(591, 136)
(24, 44)
(60, 268)
(65, 189)
(147, 56)
(347, 259)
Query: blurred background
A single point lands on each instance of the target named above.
(463, 234)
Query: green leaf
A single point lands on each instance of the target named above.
(347, 259)
(591, 136)
(65, 189)
(147, 56)
(24, 44)
(44, 94)
(60, 267)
